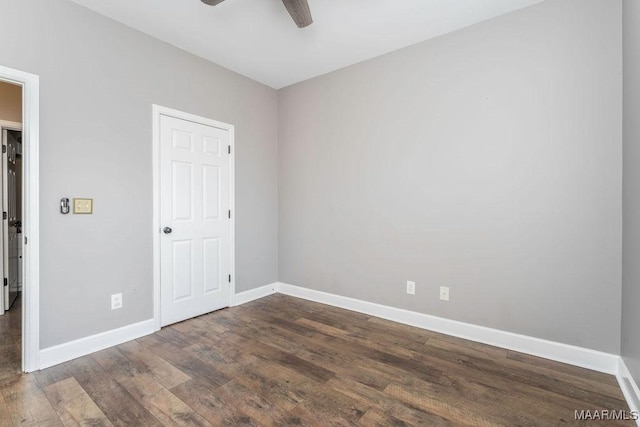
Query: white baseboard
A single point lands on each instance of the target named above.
(578, 356)
(629, 388)
(83, 346)
(72, 350)
(254, 294)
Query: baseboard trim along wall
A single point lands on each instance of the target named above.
(629, 388)
(255, 294)
(72, 350)
(81, 347)
(573, 355)
(578, 356)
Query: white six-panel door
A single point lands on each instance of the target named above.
(194, 218)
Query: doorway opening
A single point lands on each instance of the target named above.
(11, 230)
(19, 230)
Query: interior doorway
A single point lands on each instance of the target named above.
(11, 229)
(19, 325)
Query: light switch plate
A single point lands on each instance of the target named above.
(82, 206)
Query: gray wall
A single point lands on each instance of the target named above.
(487, 160)
(631, 192)
(10, 102)
(98, 81)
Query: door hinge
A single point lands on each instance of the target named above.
(229, 214)
(4, 149)
(4, 215)
(229, 148)
(229, 279)
(6, 282)
(25, 240)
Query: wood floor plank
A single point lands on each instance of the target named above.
(27, 403)
(122, 409)
(90, 375)
(52, 375)
(163, 405)
(434, 404)
(468, 347)
(73, 405)
(161, 370)
(284, 387)
(228, 361)
(5, 415)
(11, 358)
(200, 326)
(330, 407)
(385, 407)
(375, 418)
(185, 362)
(505, 369)
(207, 403)
(253, 404)
(262, 350)
(11, 341)
(117, 365)
(360, 347)
(597, 378)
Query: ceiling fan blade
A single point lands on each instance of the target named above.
(212, 2)
(299, 11)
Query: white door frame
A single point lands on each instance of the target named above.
(159, 111)
(31, 215)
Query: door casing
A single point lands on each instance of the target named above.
(30, 84)
(157, 112)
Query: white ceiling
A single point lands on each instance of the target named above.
(258, 39)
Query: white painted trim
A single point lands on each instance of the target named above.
(31, 222)
(5, 124)
(232, 206)
(578, 356)
(629, 388)
(156, 217)
(255, 294)
(158, 111)
(87, 345)
(72, 350)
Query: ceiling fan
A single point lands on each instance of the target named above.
(298, 9)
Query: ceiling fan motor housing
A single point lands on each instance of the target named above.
(298, 9)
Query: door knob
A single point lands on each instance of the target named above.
(167, 230)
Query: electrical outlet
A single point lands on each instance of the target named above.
(411, 288)
(444, 293)
(116, 301)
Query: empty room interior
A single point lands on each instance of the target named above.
(320, 212)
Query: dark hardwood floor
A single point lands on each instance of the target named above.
(11, 341)
(285, 361)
